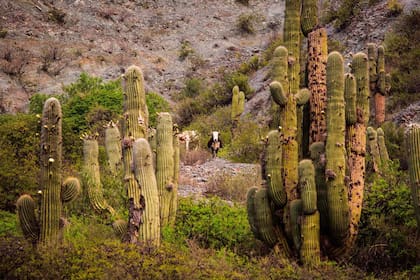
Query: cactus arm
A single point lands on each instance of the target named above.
(383, 151)
(174, 199)
(250, 207)
(302, 97)
(307, 187)
(277, 93)
(310, 251)
(373, 148)
(27, 219)
(70, 189)
(273, 167)
(143, 169)
(92, 177)
(350, 98)
(120, 228)
(295, 221)
(113, 147)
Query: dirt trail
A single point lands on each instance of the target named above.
(194, 179)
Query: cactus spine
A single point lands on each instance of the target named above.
(144, 172)
(174, 198)
(92, 177)
(53, 192)
(413, 149)
(134, 125)
(165, 165)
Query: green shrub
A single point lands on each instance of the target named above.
(8, 224)
(237, 79)
(156, 104)
(386, 241)
(185, 50)
(394, 7)
(402, 47)
(252, 65)
(19, 141)
(193, 87)
(213, 223)
(245, 23)
(247, 145)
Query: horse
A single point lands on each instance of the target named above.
(215, 143)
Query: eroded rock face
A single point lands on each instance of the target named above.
(49, 43)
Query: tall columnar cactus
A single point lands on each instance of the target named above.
(144, 172)
(316, 69)
(413, 149)
(378, 83)
(47, 227)
(356, 142)
(238, 103)
(134, 125)
(113, 146)
(335, 170)
(165, 166)
(92, 177)
(374, 148)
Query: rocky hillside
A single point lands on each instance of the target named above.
(46, 44)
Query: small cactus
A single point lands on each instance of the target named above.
(113, 147)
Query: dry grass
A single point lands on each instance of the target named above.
(233, 187)
(194, 157)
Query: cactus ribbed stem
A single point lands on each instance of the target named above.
(309, 16)
(92, 177)
(263, 218)
(143, 169)
(350, 98)
(335, 150)
(51, 166)
(310, 251)
(113, 147)
(70, 189)
(174, 199)
(307, 186)
(165, 165)
(373, 148)
(134, 125)
(27, 219)
(413, 149)
(383, 151)
(295, 221)
(250, 207)
(273, 168)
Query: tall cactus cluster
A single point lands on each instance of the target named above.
(315, 201)
(152, 193)
(413, 149)
(46, 227)
(379, 84)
